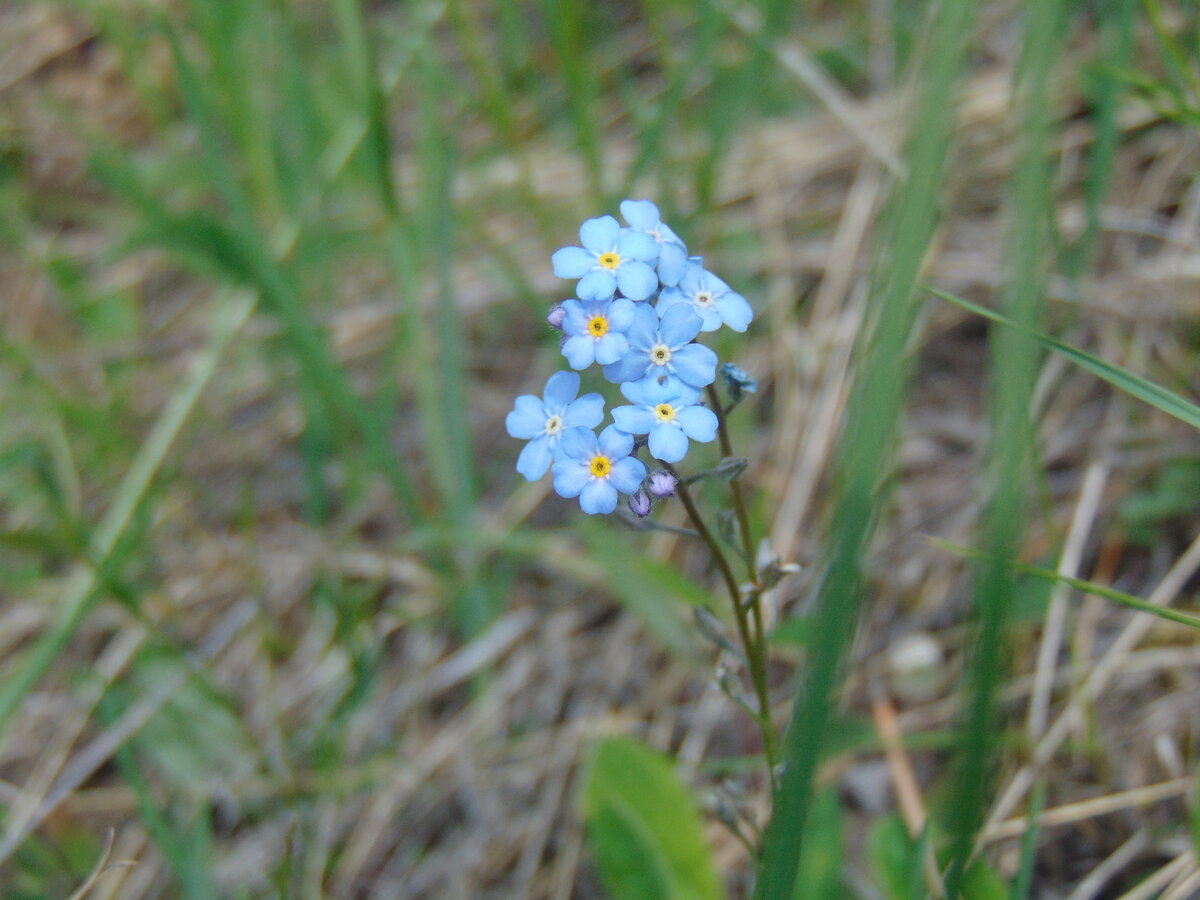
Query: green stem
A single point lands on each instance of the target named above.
(754, 648)
(739, 505)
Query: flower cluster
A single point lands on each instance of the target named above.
(640, 303)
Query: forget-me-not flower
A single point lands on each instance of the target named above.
(667, 412)
(595, 331)
(710, 297)
(662, 348)
(642, 215)
(594, 470)
(611, 257)
(546, 422)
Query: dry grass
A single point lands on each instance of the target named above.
(475, 794)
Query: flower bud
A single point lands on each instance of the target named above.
(662, 485)
(555, 317)
(639, 504)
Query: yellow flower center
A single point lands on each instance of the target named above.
(600, 466)
(609, 260)
(554, 425)
(665, 412)
(597, 326)
(660, 354)
(704, 299)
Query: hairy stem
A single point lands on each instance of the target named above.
(755, 654)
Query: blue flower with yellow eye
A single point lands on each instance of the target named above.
(546, 422)
(596, 469)
(667, 412)
(712, 299)
(642, 215)
(663, 348)
(612, 258)
(595, 331)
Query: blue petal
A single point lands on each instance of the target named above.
(580, 351)
(633, 419)
(614, 442)
(611, 348)
(636, 280)
(574, 317)
(528, 418)
(679, 325)
(695, 364)
(561, 389)
(598, 284)
(668, 298)
(692, 277)
(631, 368)
(668, 443)
(570, 477)
(535, 458)
(599, 235)
(578, 443)
(643, 331)
(621, 314)
(734, 311)
(598, 497)
(672, 263)
(637, 245)
(640, 214)
(634, 393)
(587, 411)
(627, 474)
(710, 319)
(698, 422)
(655, 393)
(572, 262)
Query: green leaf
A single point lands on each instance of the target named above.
(982, 883)
(891, 856)
(1158, 397)
(644, 829)
(820, 872)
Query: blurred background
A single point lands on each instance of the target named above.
(279, 618)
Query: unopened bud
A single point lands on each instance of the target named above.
(661, 484)
(639, 504)
(555, 317)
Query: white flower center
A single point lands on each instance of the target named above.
(704, 299)
(660, 354)
(554, 425)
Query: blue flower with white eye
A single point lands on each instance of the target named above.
(546, 422)
(710, 297)
(642, 215)
(668, 413)
(662, 348)
(595, 331)
(611, 258)
(594, 470)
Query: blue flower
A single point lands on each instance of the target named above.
(611, 257)
(667, 412)
(594, 470)
(642, 215)
(710, 297)
(546, 422)
(595, 331)
(661, 348)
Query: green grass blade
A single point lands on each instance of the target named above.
(230, 314)
(1134, 385)
(1080, 584)
(864, 451)
(1015, 360)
